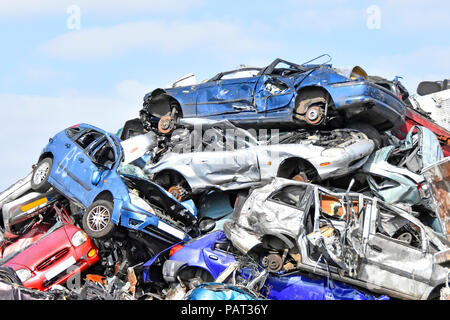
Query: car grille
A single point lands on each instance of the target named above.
(51, 260)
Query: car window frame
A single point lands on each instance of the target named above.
(306, 201)
(423, 241)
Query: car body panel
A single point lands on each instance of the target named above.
(416, 118)
(401, 183)
(438, 177)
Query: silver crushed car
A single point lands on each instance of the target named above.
(230, 158)
(394, 172)
(346, 236)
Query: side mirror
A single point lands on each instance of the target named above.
(96, 177)
(207, 225)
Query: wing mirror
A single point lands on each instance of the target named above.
(207, 225)
(96, 177)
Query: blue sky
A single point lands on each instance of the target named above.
(53, 76)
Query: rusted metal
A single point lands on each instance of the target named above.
(438, 178)
(132, 279)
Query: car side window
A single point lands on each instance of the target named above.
(397, 228)
(87, 138)
(103, 155)
(292, 196)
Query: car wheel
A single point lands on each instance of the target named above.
(97, 219)
(369, 131)
(39, 178)
(167, 123)
(8, 275)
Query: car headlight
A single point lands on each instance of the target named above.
(79, 238)
(139, 202)
(333, 152)
(24, 274)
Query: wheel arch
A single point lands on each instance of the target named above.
(191, 270)
(312, 91)
(170, 172)
(105, 195)
(159, 103)
(435, 293)
(47, 154)
(289, 162)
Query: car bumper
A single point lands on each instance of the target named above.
(75, 262)
(369, 103)
(171, 268)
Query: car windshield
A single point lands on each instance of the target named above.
(284, 68)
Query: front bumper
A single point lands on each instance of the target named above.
(75, 262)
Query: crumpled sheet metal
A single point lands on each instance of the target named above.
(211, 163)
(438, 178)
(431, 150)
(348, 250)
(258, 216)
(297, 287)
(136, 147)
(218, 291)
(408, 177)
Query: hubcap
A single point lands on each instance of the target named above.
(41, 173)
(98, 218)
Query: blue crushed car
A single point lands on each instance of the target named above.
(206, 258)
(83, 163)
(282, 93)
(219, 291)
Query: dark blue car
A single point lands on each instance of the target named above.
(205, 258)
(281, 93)
(82, 163)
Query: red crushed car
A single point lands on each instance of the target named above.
(47, 255)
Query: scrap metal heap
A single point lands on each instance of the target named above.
(284, 182)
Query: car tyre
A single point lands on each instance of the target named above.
(39, 178)
(8, 275)
(97, 219)
(369, 131)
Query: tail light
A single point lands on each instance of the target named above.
(175, 249)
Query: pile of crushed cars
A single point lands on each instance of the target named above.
(285, 182)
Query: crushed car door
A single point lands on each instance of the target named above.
(397, 245)
(226, 160)
(335, 216)
(273, 93)
(227, 95)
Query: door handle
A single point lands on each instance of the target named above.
(213, 257)
(376, 248)
(81, 160)
(67, 145)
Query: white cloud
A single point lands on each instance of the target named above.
(13, 9)
(28, 121)
(213, 36)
